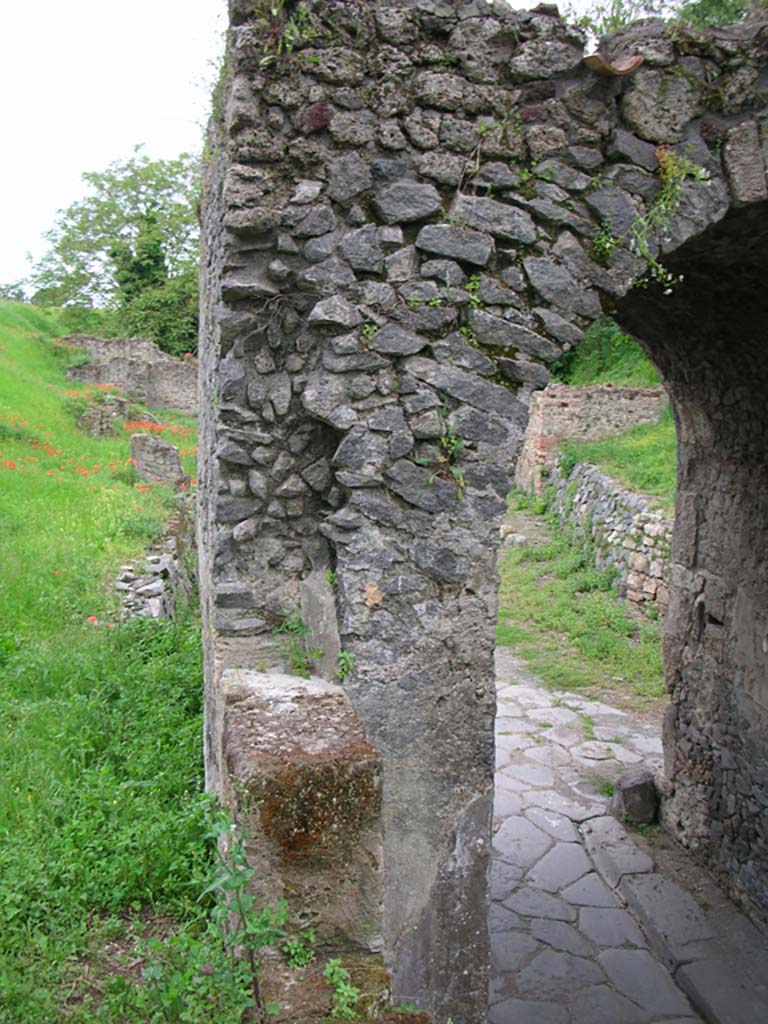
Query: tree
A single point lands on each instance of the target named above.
(131, 206)
(605, 16)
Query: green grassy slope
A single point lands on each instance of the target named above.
(100, 723)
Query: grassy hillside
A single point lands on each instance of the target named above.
(101, 827)
(606, 355)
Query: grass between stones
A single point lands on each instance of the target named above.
(563, 617)
(101, 820)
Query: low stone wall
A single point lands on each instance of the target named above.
(562, 411)
(141, 369)
(153, 586)
(625, 528)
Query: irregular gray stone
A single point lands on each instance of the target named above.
(463, 244)
(503, 919)
(557, 975)
(523, 1011)
(335, 312)
(402, 265)
(532, 902)
(729, 992)
(550, 800)
(393, 340)
(744, 163)
(511, 949)
(557, 285)
(671, 917)
(443, 270)
(642, 979)
(519, 842)
(658, 105)
(467, 388)
(318, 221)
(562, 865)
(531, 774)
(504, 878)
(542, 58)
(499, 333)
(601, 1005)
(608, 926)
(411, 482)
(326, 278)
(555, 825)
(614, 207)
(590, 891)
(635, 796)
(562, 936)
(624, 144)
(495, 218)
(456, 349)
(362, 251)
(613, 851)
(349, 175)
(407, 201)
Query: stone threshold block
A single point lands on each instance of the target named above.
(304, 784)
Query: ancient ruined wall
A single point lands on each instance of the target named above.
(139, 368)
(399, 218)
(627, 530)
(562, 412)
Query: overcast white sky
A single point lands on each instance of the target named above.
(83, 82)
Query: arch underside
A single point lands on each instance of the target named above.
(709, 339)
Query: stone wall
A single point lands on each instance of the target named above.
(628, 532)
(561, 412)
(166, 576)
(139, 368)
(397, 226)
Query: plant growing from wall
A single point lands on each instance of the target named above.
(345, 995)
(292, 646)
(674, 170)
(345, 664)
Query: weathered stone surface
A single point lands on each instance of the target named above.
(555, 975)
(613, 852)
(658, 104)
(543, 58)
(642, 979)
(635, 796)
(500, 333)
(157, 460)
(744, 163)
(459, 243)
(671, 918)
(407, 201)
(557, 285)
(495, 218)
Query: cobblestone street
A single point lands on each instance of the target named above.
(584, 929)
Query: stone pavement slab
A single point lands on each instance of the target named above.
(584, 929)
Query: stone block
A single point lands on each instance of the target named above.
(306, 787)
(671, 917)
(157, 461)
(613, 851)
(635, 796)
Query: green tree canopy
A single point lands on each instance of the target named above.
(137, 217)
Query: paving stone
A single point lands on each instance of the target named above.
(727, 991)
(565, 736)
(550, 754)
(521, 1011)
(549, 800)
(505, 920)
(510, 950)
(670, 916)
(590, 891)
(561, 936)
(532, 902)
(613, 851)
(502, 781)
(513, 742)
(502, 758)
(532, 696)
(625, 754)
(560, 716)
(562, 865)
(552, 975)
(510, 720)
(601, 1005)
(519, 842)
(636, 974)
(504, 878)
(532, 774)
(606, 926)
(506, 804)
(593, 751)
(555, 825)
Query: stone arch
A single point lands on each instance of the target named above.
(401, 210)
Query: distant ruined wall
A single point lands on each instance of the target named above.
(562, 412)
(140, 368)
(397, 223)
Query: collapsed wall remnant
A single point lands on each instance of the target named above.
(139, 368)
(411, 209)
(562, 412)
